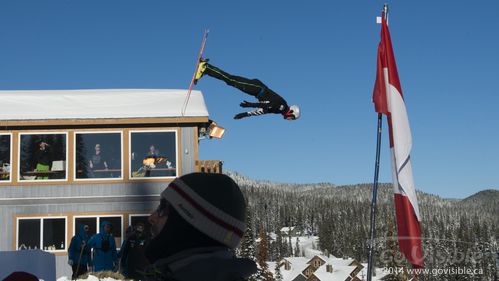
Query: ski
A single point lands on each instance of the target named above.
(191, 85)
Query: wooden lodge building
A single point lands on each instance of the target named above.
(320, 268)
(69, 157)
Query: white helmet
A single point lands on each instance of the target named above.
(294, 111)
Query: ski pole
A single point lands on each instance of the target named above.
(79, 258)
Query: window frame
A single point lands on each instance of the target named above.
(136, 215)
(70, 156)
(11, 157)
(19, 142)
(41, 218)
(122, 176)
(131, 215)
(177, 153)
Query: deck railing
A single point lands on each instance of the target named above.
(209, 166)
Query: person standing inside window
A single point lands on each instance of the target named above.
(153, 152)
(151, 160)
(97, 160)
(43, 160)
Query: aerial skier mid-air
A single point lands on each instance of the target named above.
(268, 100)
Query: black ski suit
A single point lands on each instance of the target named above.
(268, 100)
(133, 259)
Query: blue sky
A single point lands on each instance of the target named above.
(318, 54)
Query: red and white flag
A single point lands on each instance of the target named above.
(388, 99)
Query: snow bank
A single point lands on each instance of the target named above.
(90, 278)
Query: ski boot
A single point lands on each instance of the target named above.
(200, 70)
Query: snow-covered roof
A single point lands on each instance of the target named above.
(338, 262)
(340, 273)
(300, 262)
(99, 104)
(288, 275)
(341, 268)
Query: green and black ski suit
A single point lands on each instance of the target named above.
(268, 100)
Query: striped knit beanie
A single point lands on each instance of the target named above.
(211, 203)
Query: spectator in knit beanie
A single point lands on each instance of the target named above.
(198, 224)
(21, 276)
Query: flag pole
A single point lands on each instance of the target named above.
(372, 230)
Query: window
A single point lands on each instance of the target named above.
(5, 157)
(117, 226)
(153, 154)
(28, 234)
(54, 234)
(42, 156)
(48, 234)
(143, 218)
(94, 221)
(90, 221)
(98, 155)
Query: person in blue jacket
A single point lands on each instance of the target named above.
(79, 253)
(105, 255)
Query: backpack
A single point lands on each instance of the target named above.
(106, 244)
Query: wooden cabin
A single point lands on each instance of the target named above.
(71, 157)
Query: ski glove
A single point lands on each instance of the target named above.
(246, 104)
(241, 115)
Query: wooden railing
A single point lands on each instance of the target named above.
(209, 166)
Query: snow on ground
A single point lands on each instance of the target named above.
(307, 244)
(90, 278)
(308, 248)
(379, 273)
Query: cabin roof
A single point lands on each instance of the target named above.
(99, 104)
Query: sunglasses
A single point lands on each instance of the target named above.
(162, 210)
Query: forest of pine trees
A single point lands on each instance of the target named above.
(456, 233)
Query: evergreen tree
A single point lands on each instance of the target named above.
(340, 217)
(263, 273)
(390, 255)
(278, 274)
(248, 242)
(281, 247)
(280, 255)
(298, 252)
